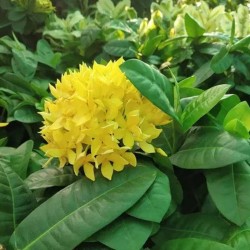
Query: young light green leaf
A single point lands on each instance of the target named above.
(16, 201)
(155, 202)
(202, 105)
(193, 28)
(82, 209)
(125, 233)
(241, 112)
(229, 188)
(152, 84)
(210, 147)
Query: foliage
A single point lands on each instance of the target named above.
(191, 60)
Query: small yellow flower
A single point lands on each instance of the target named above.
(97, 120)
(3, 124)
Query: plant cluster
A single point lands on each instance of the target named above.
(124, 124)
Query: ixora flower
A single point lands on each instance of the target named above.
(97, 120)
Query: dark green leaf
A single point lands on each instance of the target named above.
(16, 201)
(18, 157)
(221, 61)
(229, 188)
(120, 48)
(51, 177)
(210, 147)
(155, 202)
(27, 114)
(152, 84)
(24, 63)
(82, 209)
(192, 244)
(125, 233)
(196, 225)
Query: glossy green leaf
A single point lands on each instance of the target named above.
(18, 157)
(221, 61)
(196, 225)
(187, 82)
(210, 147)
(193, 28)
(27, 114)
(155, 202)
(192, 244)
(202, 105)
(51, 177)
(125, 233)
(152, 84)
(225, 105)
(237, 127)
(229, 189)
(16, 201)
(241, 112)
(120, 48)
(81, 209)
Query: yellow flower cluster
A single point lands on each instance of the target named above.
(97, 120)
(37, 6)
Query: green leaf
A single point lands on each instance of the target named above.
(46, 55)
(24, 64)
(18, 157)
(210, 147)
(240, 113)
(240, 240)
(120, 48)
(203, 73)
(221, 61)
(152, 84)
(150, 45)
(188, 82)
(125, 233)
(16, 201)
(242, 63)
(81, 209)
(196, 225)
(27, 114)
(225, 105)
(229, 189)
(192, 244)
(51, 177)
(202, 105)
(155, 202)
(193, 28)
(105, 7)
(244, 42)
(237, 127)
